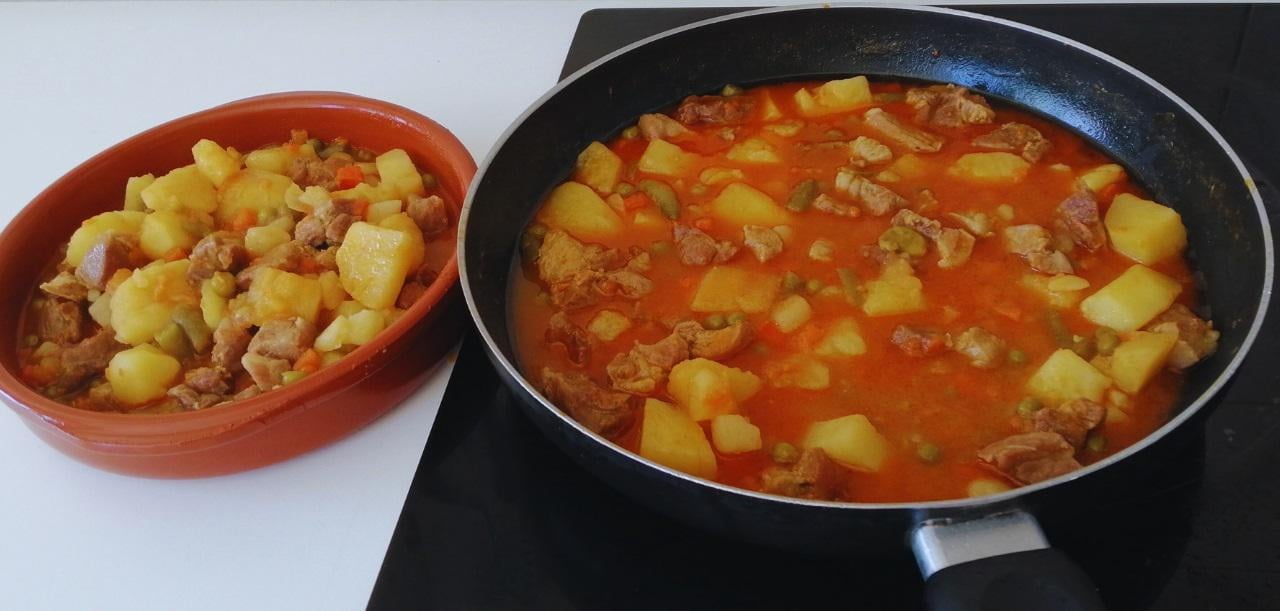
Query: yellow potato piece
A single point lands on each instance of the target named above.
(1138, 359)
(578, 210)
(1065, 376)
(734, 434)
(742, 204)
(598, 167)
(849, 440)
(373, 262)
(726, 289)
(670, 437)
(990, 168)
(398, 173)
(1131, 300)
(1143, 230)
(141, 374)
(662, 157)
(184, 188)
(277, 294)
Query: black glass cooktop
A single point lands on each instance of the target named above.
(498, 518)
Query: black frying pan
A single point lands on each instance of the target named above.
(975, 553)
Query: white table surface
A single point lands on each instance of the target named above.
(309, 533)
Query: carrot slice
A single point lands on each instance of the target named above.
(636, 201)
(244, 219)
(309, 362)
(349, 176)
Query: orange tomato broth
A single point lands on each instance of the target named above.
(940, 399)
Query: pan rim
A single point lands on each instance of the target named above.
(995, 500)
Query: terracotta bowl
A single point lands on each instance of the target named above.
(273, 426)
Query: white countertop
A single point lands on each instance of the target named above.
(309, 533)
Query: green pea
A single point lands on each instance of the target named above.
(716, 321)
(429, 181)
(928, 452)
(663, 195)
(1106, 340)
(904, 240)
(802, 195)
(631, 132)
(624, 189)
(852, 286)
(660, 247)
(289, 377)
(813, 285)
(1017, 357)
(737, 317)
(174, 341)
(1058, 329)
(792, 281)
(1096, 442)
(1084, 347)
(784, 453)
(1029, 406)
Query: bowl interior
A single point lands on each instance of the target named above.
(97, 185)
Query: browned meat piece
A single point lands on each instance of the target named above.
(286, 257)
(83, 361)
(660, 127)
(878, 199)
(955, 246)
(1031, 457)
(641, 261)
(59, 321)
(763, 242)
(869, 150)
(247, 392)
(715, 344)
(814, 476)
(561, 257)
(220, 251)
(698, 248)
(230, 341)
(1078, 217)
(625, 283)
(912, 138)
(1054, 262)
(919, 342)
(983, 348)
(949, 106)
(1072, 420)
(201, 388)
(603, 411)
(1032, 243)
(645, 366)
(1023, 139)
(309, 231)
(266, 372)
(67, 286)
(327, 224)
(576, 341)
(430, 213)
(1197, 338)
(313, 172)
(828, 204)
(409, 294)
(577, 291)
(714, 110)
(283, 339)
(925, 226)
(110, 253)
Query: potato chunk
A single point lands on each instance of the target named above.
(741, 204)
(184, 188)
(125, 222)
(577, 209)
(608, 325)
(1131, 300)
(164, 231)
(841, 95)
(1097, 179)
(896, 291)
(707, 389)
(277, 294)
(399, 174)
(843, 339)
(997, 167)
(1066, 376)
(373, 262)
(1143, 230)
(598, 168)
(214, 161)
(725, 289)
(144, 303)
(256, 190)
(133, 191)
(734, 434)
(753, 150)
(276, 160)
(662, 157)
(141, 374)
(417, 243)
(1138, 359)
(849, 440)
(670, 437)
(799, 371)
(259, 240)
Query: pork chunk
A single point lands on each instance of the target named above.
(697, 248)
(561, 256)
(67, 286)
(220, 251)
(267, 372)
(1032, 242)
(830, 205)
(949, 106)
(912, 138)
(59, 321)
(715, 344)
(576, 341)
(110, 253)
(922, 225)
(879, 200)
(83, 361)
(763, 242)
(283, 339)
(1019, 138)
(645, 366)
(1072, 420)
(955, 246)
(1078, 217)
(1028, 458)
(201, 388)
(1197, 338)
(918, 341)
(983, 349)
(657, 126)
(1051, 262)
(603, 411)
(814, 476)
(868, 151)
(714, 110)
(230, 341)
(430, 213)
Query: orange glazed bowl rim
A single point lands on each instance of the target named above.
(184, 431)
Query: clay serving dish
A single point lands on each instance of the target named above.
(273, 426)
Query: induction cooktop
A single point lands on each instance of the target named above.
(498, 518)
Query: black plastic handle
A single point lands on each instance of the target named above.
(1036, 580)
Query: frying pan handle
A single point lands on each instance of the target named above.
(998, 563)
